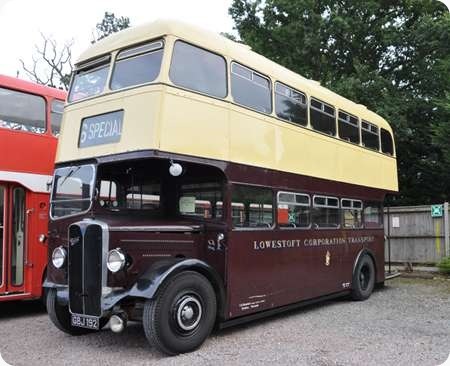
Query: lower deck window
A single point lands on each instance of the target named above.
(293, 210)
(373, 215)
(325, 213)
(351, 213)
(252, 207)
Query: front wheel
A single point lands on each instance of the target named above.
(182, 315)
(363, 278)
(60, 316)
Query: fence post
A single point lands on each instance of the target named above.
(389, 238)
(446, 230)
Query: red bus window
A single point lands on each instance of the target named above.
(22, 111)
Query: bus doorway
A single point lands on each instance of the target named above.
(12, 246)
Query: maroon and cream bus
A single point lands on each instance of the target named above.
(198, 184)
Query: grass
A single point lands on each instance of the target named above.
(444, 265)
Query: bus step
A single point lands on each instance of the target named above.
(391, 275)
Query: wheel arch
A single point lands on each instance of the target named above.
(362, 252)
(149, 284)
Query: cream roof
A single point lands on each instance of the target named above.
(233, 50)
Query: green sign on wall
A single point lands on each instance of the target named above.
(436, 210)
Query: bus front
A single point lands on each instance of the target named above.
(126, 216)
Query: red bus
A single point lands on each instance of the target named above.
(30, 119)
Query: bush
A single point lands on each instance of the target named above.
(444, 265)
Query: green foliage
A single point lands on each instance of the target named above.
(110, 24)
(392, 56)
(444, 265)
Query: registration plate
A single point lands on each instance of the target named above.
(85, 321)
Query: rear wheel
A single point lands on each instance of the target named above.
(182, 315)
(60, 316)
(363, 278)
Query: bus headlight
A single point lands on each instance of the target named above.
(59, 256)
(116, 260)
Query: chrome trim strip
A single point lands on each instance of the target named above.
(167, 228)
(157, 241)
(105, 247)
(8, 294)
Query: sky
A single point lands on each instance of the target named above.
(21, 22)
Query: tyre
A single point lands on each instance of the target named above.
(363, 278)
(60, 316)
(182, 315)
(43, 298)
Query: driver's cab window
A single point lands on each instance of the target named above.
(138, 196)
(143, 196)
(203, 200)
(108, 194)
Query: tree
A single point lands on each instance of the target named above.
(392, 56)
(51, 63)
(110, 24)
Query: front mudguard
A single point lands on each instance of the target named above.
(62, 291)
(146, 287)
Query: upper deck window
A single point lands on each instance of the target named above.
(369, 134)
(89, 79)
(197, 69)
(22, 111)
(137, 65)
(56, 116)
(387, 145)
(290, 104)
(322, 117)
(250, 88)
(348, 127)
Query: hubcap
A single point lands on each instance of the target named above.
(188, 312)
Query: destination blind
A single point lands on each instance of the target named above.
(101, 129)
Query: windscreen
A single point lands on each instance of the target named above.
(72, 190)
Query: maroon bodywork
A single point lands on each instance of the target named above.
(260, 269)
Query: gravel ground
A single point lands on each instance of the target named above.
(405, 323)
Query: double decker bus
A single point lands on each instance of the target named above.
(30, 118)
(198, 183)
